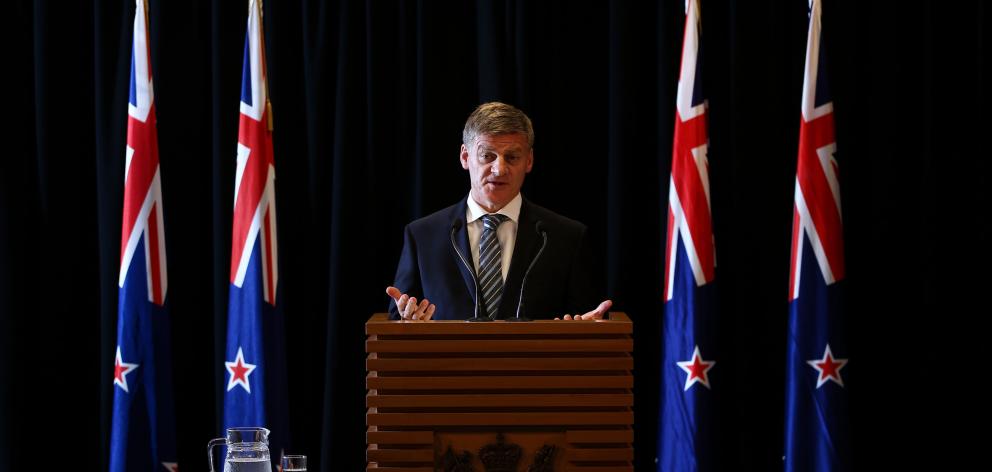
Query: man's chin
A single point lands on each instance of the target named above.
(498, 198)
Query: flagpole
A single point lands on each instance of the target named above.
(265, 67)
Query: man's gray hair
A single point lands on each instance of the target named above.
(497, 118)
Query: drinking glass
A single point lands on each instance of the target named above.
(294, 463)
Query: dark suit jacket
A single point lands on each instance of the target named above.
(561, 281)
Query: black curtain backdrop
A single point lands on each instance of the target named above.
(369, 99)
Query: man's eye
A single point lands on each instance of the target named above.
(489, 156)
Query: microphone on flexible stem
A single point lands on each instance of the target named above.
(539, 227)
(455, 226)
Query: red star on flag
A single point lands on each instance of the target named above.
(697, 369)
(240, 370)
(171, 466)
(828, 368)
(121, 369)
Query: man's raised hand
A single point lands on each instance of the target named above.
(408, 307)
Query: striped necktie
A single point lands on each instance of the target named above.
(491, 264)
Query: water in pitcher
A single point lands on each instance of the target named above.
(248, 457)
(248, 464)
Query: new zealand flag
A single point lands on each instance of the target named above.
(685, 436)
(255, 390)
(143, 433)
(816, 405)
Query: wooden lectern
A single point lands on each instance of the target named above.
(528, 396)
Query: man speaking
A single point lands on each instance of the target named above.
(477, 257)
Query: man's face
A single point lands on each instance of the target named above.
(497, 165)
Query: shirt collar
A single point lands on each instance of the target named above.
(511, 210)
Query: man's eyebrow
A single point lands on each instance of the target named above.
(515, 149)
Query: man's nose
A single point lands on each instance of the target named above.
(497, 166)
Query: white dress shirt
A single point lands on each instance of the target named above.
(507, 232)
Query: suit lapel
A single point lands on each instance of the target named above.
(523, 251)
(461, 238)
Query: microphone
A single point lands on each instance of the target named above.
(455, 226)
(539, 227)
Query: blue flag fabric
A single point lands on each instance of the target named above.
(686, 435)
(143, 433)
(816, 403)
(143, 429)
(256, 389)
(255, 392)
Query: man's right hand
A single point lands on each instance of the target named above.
(408, 307)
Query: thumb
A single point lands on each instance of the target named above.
(604, 307)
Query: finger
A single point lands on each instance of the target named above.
(394, 293)
(599, 311)
(430, 312)
(410, 306)
(420, 311)
(557, 318)
(568, 317)
(401, 306)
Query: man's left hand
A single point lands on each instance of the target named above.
(596, 314)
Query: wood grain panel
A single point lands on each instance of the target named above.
(507, 382)
(618, 323)
(460, 364)
(599, 454)
(464, 347)
(599, 468)
(400, 455)
(374, 467)
(600, 436)
(576, 400)
(373, 417)
(374, 436)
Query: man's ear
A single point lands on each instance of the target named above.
(530, 160)
(464, 157)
